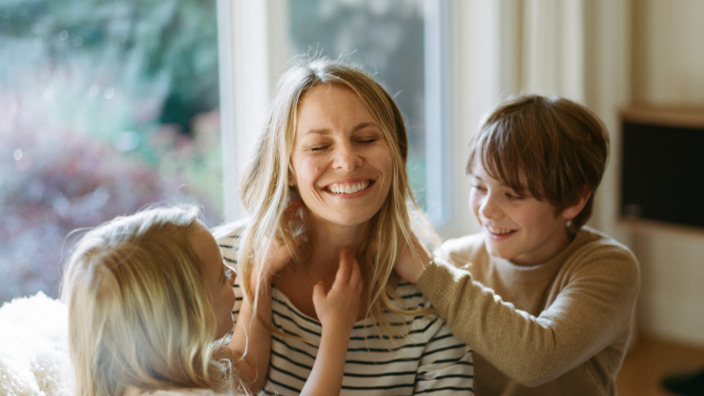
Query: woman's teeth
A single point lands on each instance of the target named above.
(348, 188)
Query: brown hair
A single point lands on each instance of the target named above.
(559, 147)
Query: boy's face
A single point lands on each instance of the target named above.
(521, 229)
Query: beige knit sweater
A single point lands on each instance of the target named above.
(558, 328)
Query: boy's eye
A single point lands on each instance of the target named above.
(513, 195)
(478, 187)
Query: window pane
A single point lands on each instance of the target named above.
(384, 37)
(107, 106)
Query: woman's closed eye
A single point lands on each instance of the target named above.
(368, 140)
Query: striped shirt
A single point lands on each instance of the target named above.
(427, 360)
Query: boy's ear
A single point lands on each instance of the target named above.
(572, 211)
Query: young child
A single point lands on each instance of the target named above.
(148, 295)
(546, 302)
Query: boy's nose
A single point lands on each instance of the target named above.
(489, 209)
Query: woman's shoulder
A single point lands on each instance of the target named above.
(228, 238)
(409, 295)
(231, 230)
(183, 392)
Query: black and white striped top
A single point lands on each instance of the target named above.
(428, 360)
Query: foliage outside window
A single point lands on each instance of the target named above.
(107, 106)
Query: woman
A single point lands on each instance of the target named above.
(329, 175)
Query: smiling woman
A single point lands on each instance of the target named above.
(329, 176)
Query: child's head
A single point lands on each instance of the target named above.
(552, 149)
(147, 296)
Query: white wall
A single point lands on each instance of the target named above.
(668, 68)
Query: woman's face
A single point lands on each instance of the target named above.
(341, 161)
(219, 277)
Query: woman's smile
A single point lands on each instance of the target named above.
(349, 188)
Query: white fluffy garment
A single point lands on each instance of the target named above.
(34, 357)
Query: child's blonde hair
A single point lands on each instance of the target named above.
(559, 146)
(139, 310)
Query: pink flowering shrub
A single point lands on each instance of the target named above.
(56, 180)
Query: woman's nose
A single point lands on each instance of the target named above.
(347, 158)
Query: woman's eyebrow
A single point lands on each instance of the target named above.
(326, 131)
(363, 125)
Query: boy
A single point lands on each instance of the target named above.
(546, 302)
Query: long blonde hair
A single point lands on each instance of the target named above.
(140, 313)
(265, 187)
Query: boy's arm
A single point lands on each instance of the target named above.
(337, 311)
(593, 308)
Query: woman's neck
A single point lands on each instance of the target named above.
(327, 240)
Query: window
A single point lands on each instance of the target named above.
(107, 106)
(111, 105)
(400, 42)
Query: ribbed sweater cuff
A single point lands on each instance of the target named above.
(436, 282)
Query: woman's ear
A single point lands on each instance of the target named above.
(572, 211)
(291, 176)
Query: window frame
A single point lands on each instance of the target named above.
(253, 44)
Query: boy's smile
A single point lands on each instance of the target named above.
(518, 228)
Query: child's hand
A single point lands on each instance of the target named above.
(279, 255)
(412, 261)
(337, 309)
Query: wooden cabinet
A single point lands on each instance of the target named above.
(662, 165)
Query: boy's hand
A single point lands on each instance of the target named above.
(339, 307)
(412, 261)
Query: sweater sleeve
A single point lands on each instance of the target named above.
(592, 309)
